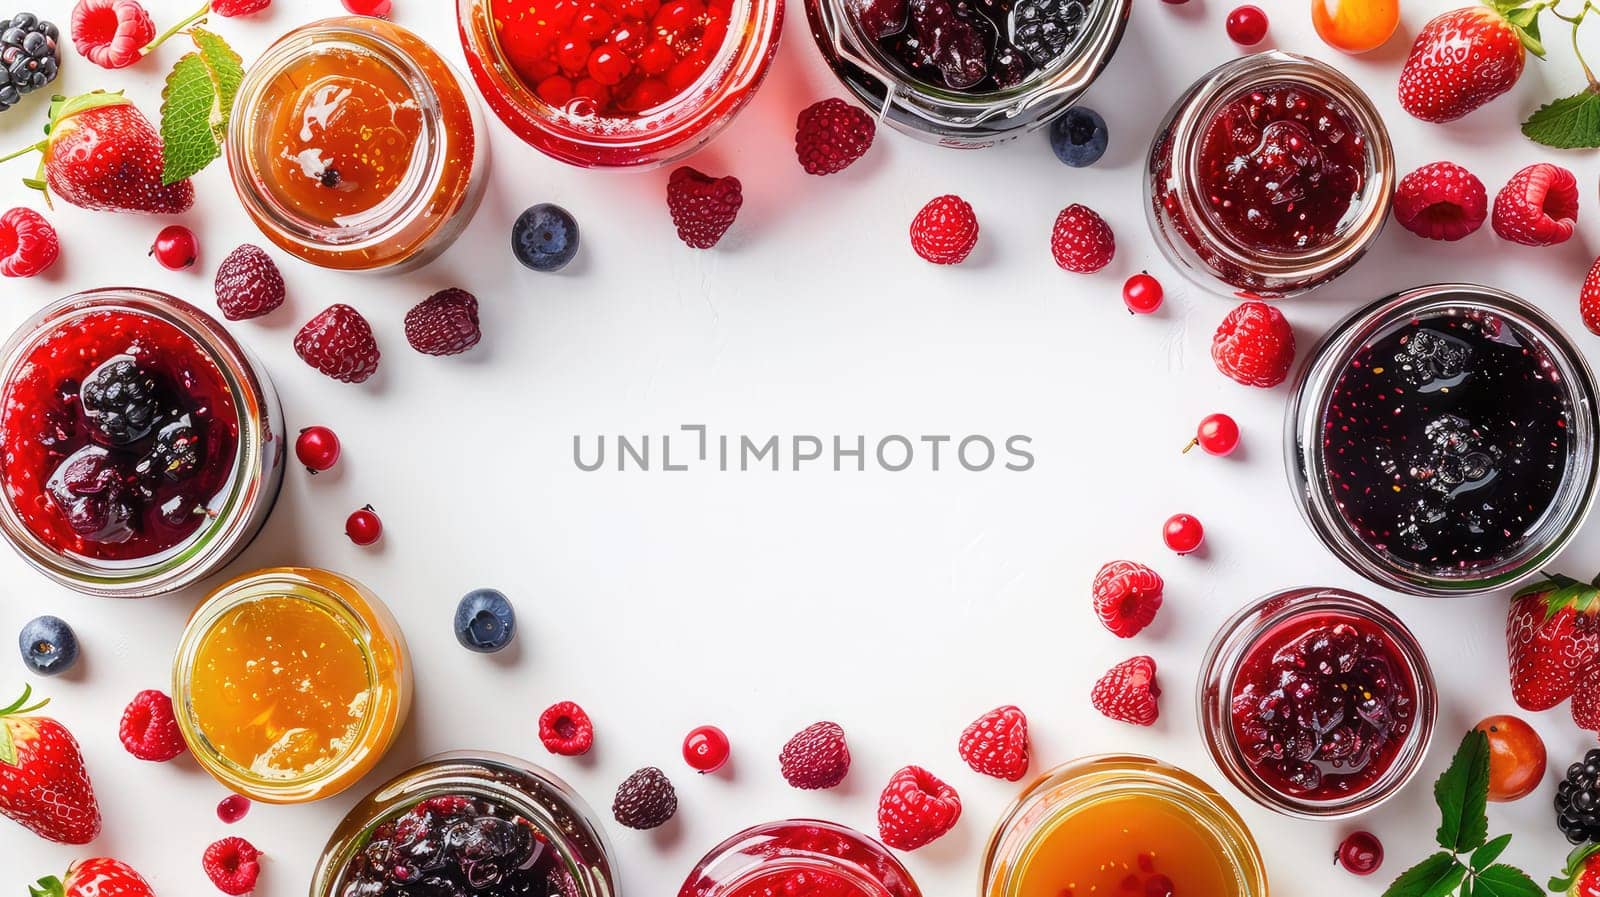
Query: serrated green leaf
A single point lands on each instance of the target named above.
(1488, 853)
(227, 73)
(1436, 876)
(1568, 123)
(186, 104)
(1501, 880)
(1463, 796)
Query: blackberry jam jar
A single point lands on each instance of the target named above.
(1271, 176)
(1442, 441)
(799, 856)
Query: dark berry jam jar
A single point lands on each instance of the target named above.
(1317, 703)
(468, 825)
(1272, 175)
(799, 856)
(968, 74)
(1442, 441)
(141, 446)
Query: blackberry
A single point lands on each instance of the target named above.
(30, 57)
(174, 455)
(454, 846)
(645, 800)
(1578, 800)
(119, 400)
(1044, 29)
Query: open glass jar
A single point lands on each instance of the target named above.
(141, 446)
(871, 46)
(1272, 175)
(354, 145)
(1442, 441)
(799, 856)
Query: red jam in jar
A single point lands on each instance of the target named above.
(799, 857)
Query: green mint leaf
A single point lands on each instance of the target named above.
(188, 142)
(1437, 876)
(1501, 880)
(1463, 796)
(1568, 123)
(1484, 856)
(227, 73)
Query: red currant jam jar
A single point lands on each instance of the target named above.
(799, 857)
(1272, 175)
(140, 445)
(1443, 440)
(1317, 702)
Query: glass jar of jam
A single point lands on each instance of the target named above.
(618, 83)
(291, 683)
(1272, 175)
(799, 856)
(354, 145)
(1112, 825)
(1442, 441)
(141, 446)
(1317, 703)
(968, 75)
(474, 824)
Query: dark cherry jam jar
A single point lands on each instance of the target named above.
(799, 857)
(1272, 175)
(1442, 441)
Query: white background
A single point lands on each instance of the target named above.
(901, 605)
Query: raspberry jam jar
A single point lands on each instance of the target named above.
(1271, 176)
(291, 683)
(618, 83)
(1114, 825)
(1317, 703)
(468, 825)
(799, 856)
(968, 75)
(1442, 441)
(141, 446)
(354, 145)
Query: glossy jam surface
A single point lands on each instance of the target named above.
(977, 47)
(118, 432)
(1281, 166)
(1446, 440)
(1322, 705)
(799, 859)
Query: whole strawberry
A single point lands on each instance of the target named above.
(996, 744)
(1081, 240)
(1582, 875)
(1462, 60)
(916, 809)
(102, 154)
(1254, 345)
(43, 782)
(1127, 596)
(339, 343)
(1128, 692)
(1586, 695)
(1589, 299)
(702, 207)
(1538, 206)
(95, 877)
(1552, 631)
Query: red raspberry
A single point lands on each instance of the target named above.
(1254, 345)
(233, 865)
(1128, 692)
(111, 33)
(996, 744)
(445, 323)
(1126, 597)
(28, 243)
(831, 134)
(1441, 201)
(1538, 207)
(1081, 240)
(816, 758)
(916, 809)
(645, 800)
(149, 729)
(945, 231)
(339, 343)
(248, 284)
(230, 8)
(1589, 299)
(702, 207)
(566, 730)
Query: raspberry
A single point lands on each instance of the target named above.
(1254, 345)
(339, 343)
(230, 8)
(645, 800)
(445, 323)
(149, 729)
(1538, 207)
(1441, 201)
(1589, 299)
(1128, 692)
(566, 730)
(28, 243)
(233, 865)
(916, 809)
(111, 33)
(702, 207)
(248, 284)
(945, 231)
(832, 134)
(816, 758)
(1081, 240)
(996, 744)
(1126, 597)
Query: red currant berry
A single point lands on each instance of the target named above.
(706, 749)
(176, 247)
(1183, 533)
(363, 526)
(379, 8)
(1218, 434)
(317, 448)
(1361, 853)
(1142, 294)
(232, 808)
(1247, 25)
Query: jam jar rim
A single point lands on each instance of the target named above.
(1219, 669)
(729, 850)
(253, 483)
(1319, 375)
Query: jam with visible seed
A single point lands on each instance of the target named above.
(787, 859)
(974, 46)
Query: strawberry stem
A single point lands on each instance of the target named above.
(20, 705)
(49, 886)
(197, 16)
(32, 148)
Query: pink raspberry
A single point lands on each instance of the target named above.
(111, 33)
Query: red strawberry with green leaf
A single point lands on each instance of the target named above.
(43, 782)
(95, 877)
(1551, 633)
(1467, 57)
(1582, 875)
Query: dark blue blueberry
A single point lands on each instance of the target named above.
(545, 237)
(1079, 137)
(49, 646)
(485, 621)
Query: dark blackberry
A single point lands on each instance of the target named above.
(645, 800)
(119, 401)
(1578, 800)
(453, 846)
(1044, 29)
(30, 57)
(174, 455)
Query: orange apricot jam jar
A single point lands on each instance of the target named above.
(1111, 825)
(291, 683)
(354, 145)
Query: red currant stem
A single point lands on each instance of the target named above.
(1576, 20)
(194, 18)
(1192, 443)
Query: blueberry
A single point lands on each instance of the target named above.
(49, 646)
(1079, 137)
(485, 621)
(545, 237)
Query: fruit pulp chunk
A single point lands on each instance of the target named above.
(280, 686)
(977, 47)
